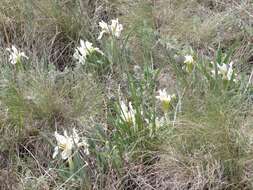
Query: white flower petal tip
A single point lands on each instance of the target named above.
(56, 152)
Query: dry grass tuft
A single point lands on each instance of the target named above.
(206, 24)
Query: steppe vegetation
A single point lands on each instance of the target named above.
(126, 94)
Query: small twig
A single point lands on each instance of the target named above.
(250, 78)
(6, 35)
(178, 107)
(38, 163)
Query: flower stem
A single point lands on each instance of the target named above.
(71, 164)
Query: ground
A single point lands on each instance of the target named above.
(162, 101)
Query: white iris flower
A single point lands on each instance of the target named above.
(189, 63)
(188, 59)
(66, 144)
(114, 29)
(127, 112)
(85, 49)
(166, 99)
(15, 55)
(225, 71)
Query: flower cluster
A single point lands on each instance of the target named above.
(15, 55)
(166, 99)
(225, 71)
(114, 29)
(85, 49)
(67, 144)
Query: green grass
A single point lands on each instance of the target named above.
(202, 141)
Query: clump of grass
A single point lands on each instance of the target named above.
(196, 137)
(210, 125)
(209, 132)
(217, 131)
(206, 24)
(47, 97)
(139, 29)
(58, 24)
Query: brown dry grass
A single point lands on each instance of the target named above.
(51, 31)
(206, 24)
